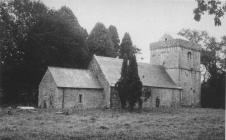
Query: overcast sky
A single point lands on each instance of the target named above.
(145, 20)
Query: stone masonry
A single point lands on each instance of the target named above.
(182, 61)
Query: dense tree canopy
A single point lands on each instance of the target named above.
(213, 59)
(121, 85)
(99, 41)
(129, 86)
(134, 84)
(126, 47)
(33, 38)
(114, 37)
(216, 8)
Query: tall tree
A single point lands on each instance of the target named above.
(53, 37)
(134, 84)
(16, 19)
(212, 7)
(129, 85)
(121, 85)
(68, 16)
(114, 37)
(126, 47)
(99, 41)
(213, 58)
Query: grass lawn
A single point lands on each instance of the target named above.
(161, 124)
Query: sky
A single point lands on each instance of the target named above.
(145, 20)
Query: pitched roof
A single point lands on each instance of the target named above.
(169, 41)
(150, 75)
(74, 78)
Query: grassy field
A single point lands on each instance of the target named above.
(161, 124)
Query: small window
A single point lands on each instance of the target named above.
(80, 98)
(157, 102)
(189, 56)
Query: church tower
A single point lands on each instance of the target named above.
(181, 59)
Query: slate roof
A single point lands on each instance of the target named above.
(74, 78)
(150, 75)
(169, 41)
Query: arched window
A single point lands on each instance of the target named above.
(189, 56)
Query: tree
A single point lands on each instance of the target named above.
(212, 7)
(16, 18)
(213, 58)
(68, 16)
(114, 37)
(37, 39)
(126, 47)
(134, 84)
(99, 41)
(121, 85)
(129, 85)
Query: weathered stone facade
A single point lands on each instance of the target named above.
(114, 99)
(53, 96)
(182, 61)
(168, 97)
(90, 98)
(48, 97)
(95, 68)
(95, 87)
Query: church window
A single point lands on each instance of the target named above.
(157, 102)
(189, 56)
(193, 90)
(80, 98)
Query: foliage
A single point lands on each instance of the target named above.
(212, 7)
(129, 85)
(126, 47)
(35, 37)
(121, 85)
(134, 84)
(213, 58)
(99, 41)
(114, 37)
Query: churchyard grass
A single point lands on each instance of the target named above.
(155, 124)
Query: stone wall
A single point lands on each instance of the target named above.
(47, 97)
(191, 84)
(90, 98)
(168, 97)
(95, 68)
(183, 65)
(115, 100)
(190, 77)
(191, 62)
(167, 57)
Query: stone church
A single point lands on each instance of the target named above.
(172, 77)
